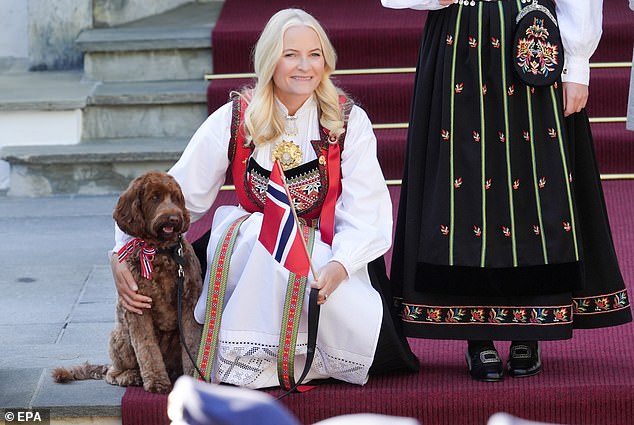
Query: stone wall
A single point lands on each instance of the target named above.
(108, 13)
(14, 45)
(39, 35)
(53, 28)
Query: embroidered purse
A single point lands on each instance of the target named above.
(537, 50)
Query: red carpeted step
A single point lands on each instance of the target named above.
(618, 33)
(391, 146)
(370, 36)
(609, 89)
(588, 380)
(218, 91)
(614, 146)
(397, 32)
(199, 227)
(386, 97)
(139, 407)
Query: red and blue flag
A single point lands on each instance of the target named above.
(280, 233)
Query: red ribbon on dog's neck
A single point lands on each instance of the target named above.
(146, 255)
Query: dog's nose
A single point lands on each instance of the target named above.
(174, 219)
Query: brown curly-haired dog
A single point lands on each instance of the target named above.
(145, 349)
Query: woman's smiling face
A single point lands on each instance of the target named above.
(300, 68)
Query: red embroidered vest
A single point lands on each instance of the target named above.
(314, 186)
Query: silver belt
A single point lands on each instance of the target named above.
(470, 2)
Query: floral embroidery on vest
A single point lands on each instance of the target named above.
(308, 183)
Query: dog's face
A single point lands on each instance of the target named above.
(153, 208)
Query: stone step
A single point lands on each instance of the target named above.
(42, 107)
(175, 45)
(93, 167)
(145, 109)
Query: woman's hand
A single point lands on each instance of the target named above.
(575, 97)
(127, 287)
(445, 2)
(330, 276)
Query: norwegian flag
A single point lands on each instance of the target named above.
(280, 232)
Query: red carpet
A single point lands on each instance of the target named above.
(355, 31)
(618, 33)
(588, 380)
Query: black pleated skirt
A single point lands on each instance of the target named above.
(493, 238)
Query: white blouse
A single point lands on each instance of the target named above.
(579, 22)
(363, 213)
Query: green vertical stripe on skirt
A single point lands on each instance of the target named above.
(564, 164)
(452, 204)
(531, 135)
(507, 134)
(482, 141)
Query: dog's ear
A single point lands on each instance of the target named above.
(128, 213)
(178, 197)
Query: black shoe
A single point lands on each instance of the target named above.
(485, 364)
(524, 359)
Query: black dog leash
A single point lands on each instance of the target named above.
(313, 325)
(179, 257)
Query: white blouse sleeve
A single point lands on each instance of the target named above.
(363, 214)
(202, 167)
(413, 4)
(580, 26)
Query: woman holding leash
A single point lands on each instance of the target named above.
(295, 115)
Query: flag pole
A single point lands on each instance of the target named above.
(290, 201)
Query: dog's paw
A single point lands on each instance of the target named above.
(125, 378)
(159, 387)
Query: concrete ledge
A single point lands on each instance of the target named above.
(130, 39)
(41, 127)
(188, 27)
(103, 167)
(107, 13)
(97, 151)
(145, 110)
(136, 121)
(175, 45)
(44, 91)
(150, 93)
(148, 65)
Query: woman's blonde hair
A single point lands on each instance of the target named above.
(263, 124)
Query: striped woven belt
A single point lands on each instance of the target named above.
(294, 301)
(215, 300)
(310, 222)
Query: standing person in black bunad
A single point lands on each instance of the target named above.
(502, 232)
